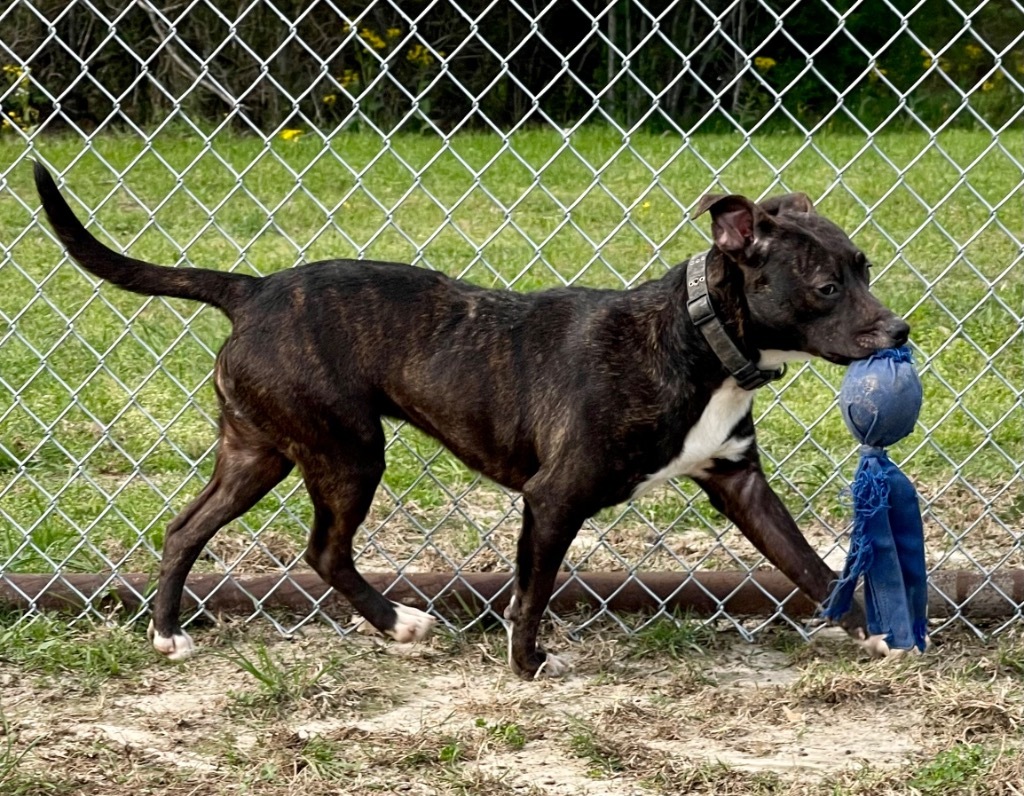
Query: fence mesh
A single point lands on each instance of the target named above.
(521, 145)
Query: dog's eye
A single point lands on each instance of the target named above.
(828, 290)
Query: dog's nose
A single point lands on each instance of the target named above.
(899, 330)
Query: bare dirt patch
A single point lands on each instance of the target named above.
(255, 713)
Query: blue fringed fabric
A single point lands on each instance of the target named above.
(887, 540)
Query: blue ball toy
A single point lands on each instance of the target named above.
(880, 399)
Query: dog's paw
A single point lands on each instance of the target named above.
(877, 647)
(411, 624)
(178, 647)
(553, 667)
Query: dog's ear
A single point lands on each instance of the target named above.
(790, 203)
(736, 222)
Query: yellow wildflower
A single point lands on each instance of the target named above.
(393, 33)
(330, 99)
(988, 85)
(973, 50)
(928, 63)
(418, 54)
(763, 63)
(370, 37)
(291, 134)
(348, 77)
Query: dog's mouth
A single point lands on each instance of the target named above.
(865, 350)
(892, 334)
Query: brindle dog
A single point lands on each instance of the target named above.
(577, 398)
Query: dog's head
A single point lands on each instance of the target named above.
(805, 284)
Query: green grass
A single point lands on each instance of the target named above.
(676, 637)
(80, 657)
(281, 684)
(954, 770)
(505, 733)
(13, 780)
(79, 454)
(587, 743)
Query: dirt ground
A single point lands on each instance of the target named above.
(675, 709)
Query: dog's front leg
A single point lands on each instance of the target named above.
(548, 530)
(742, 494)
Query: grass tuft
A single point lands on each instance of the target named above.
(92, 653)
(588, 743)
(676, 637)
(955, 770)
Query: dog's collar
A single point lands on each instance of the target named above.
(698, 304)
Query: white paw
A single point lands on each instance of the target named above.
(412, 624)
(178, 647)
(553, 666)
(509, 626)
(510, 608)
(877, 647)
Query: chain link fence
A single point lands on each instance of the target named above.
(521, 145)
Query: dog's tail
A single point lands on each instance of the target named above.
(223, 290)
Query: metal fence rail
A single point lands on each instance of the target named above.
(903, 120)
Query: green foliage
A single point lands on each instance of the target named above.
(274, 67)
(903, 62)
(587, 743)
(324, 759)
(90, 653)
(445, 751)
(506, 733)
(19, 103)
(280, 684)
(953, 770)
(13, 780)
(676, 637)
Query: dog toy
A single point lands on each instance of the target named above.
(880, 399)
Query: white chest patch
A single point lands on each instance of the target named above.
(709, 438)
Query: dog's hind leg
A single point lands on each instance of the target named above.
(246, 469)
(341, 485)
